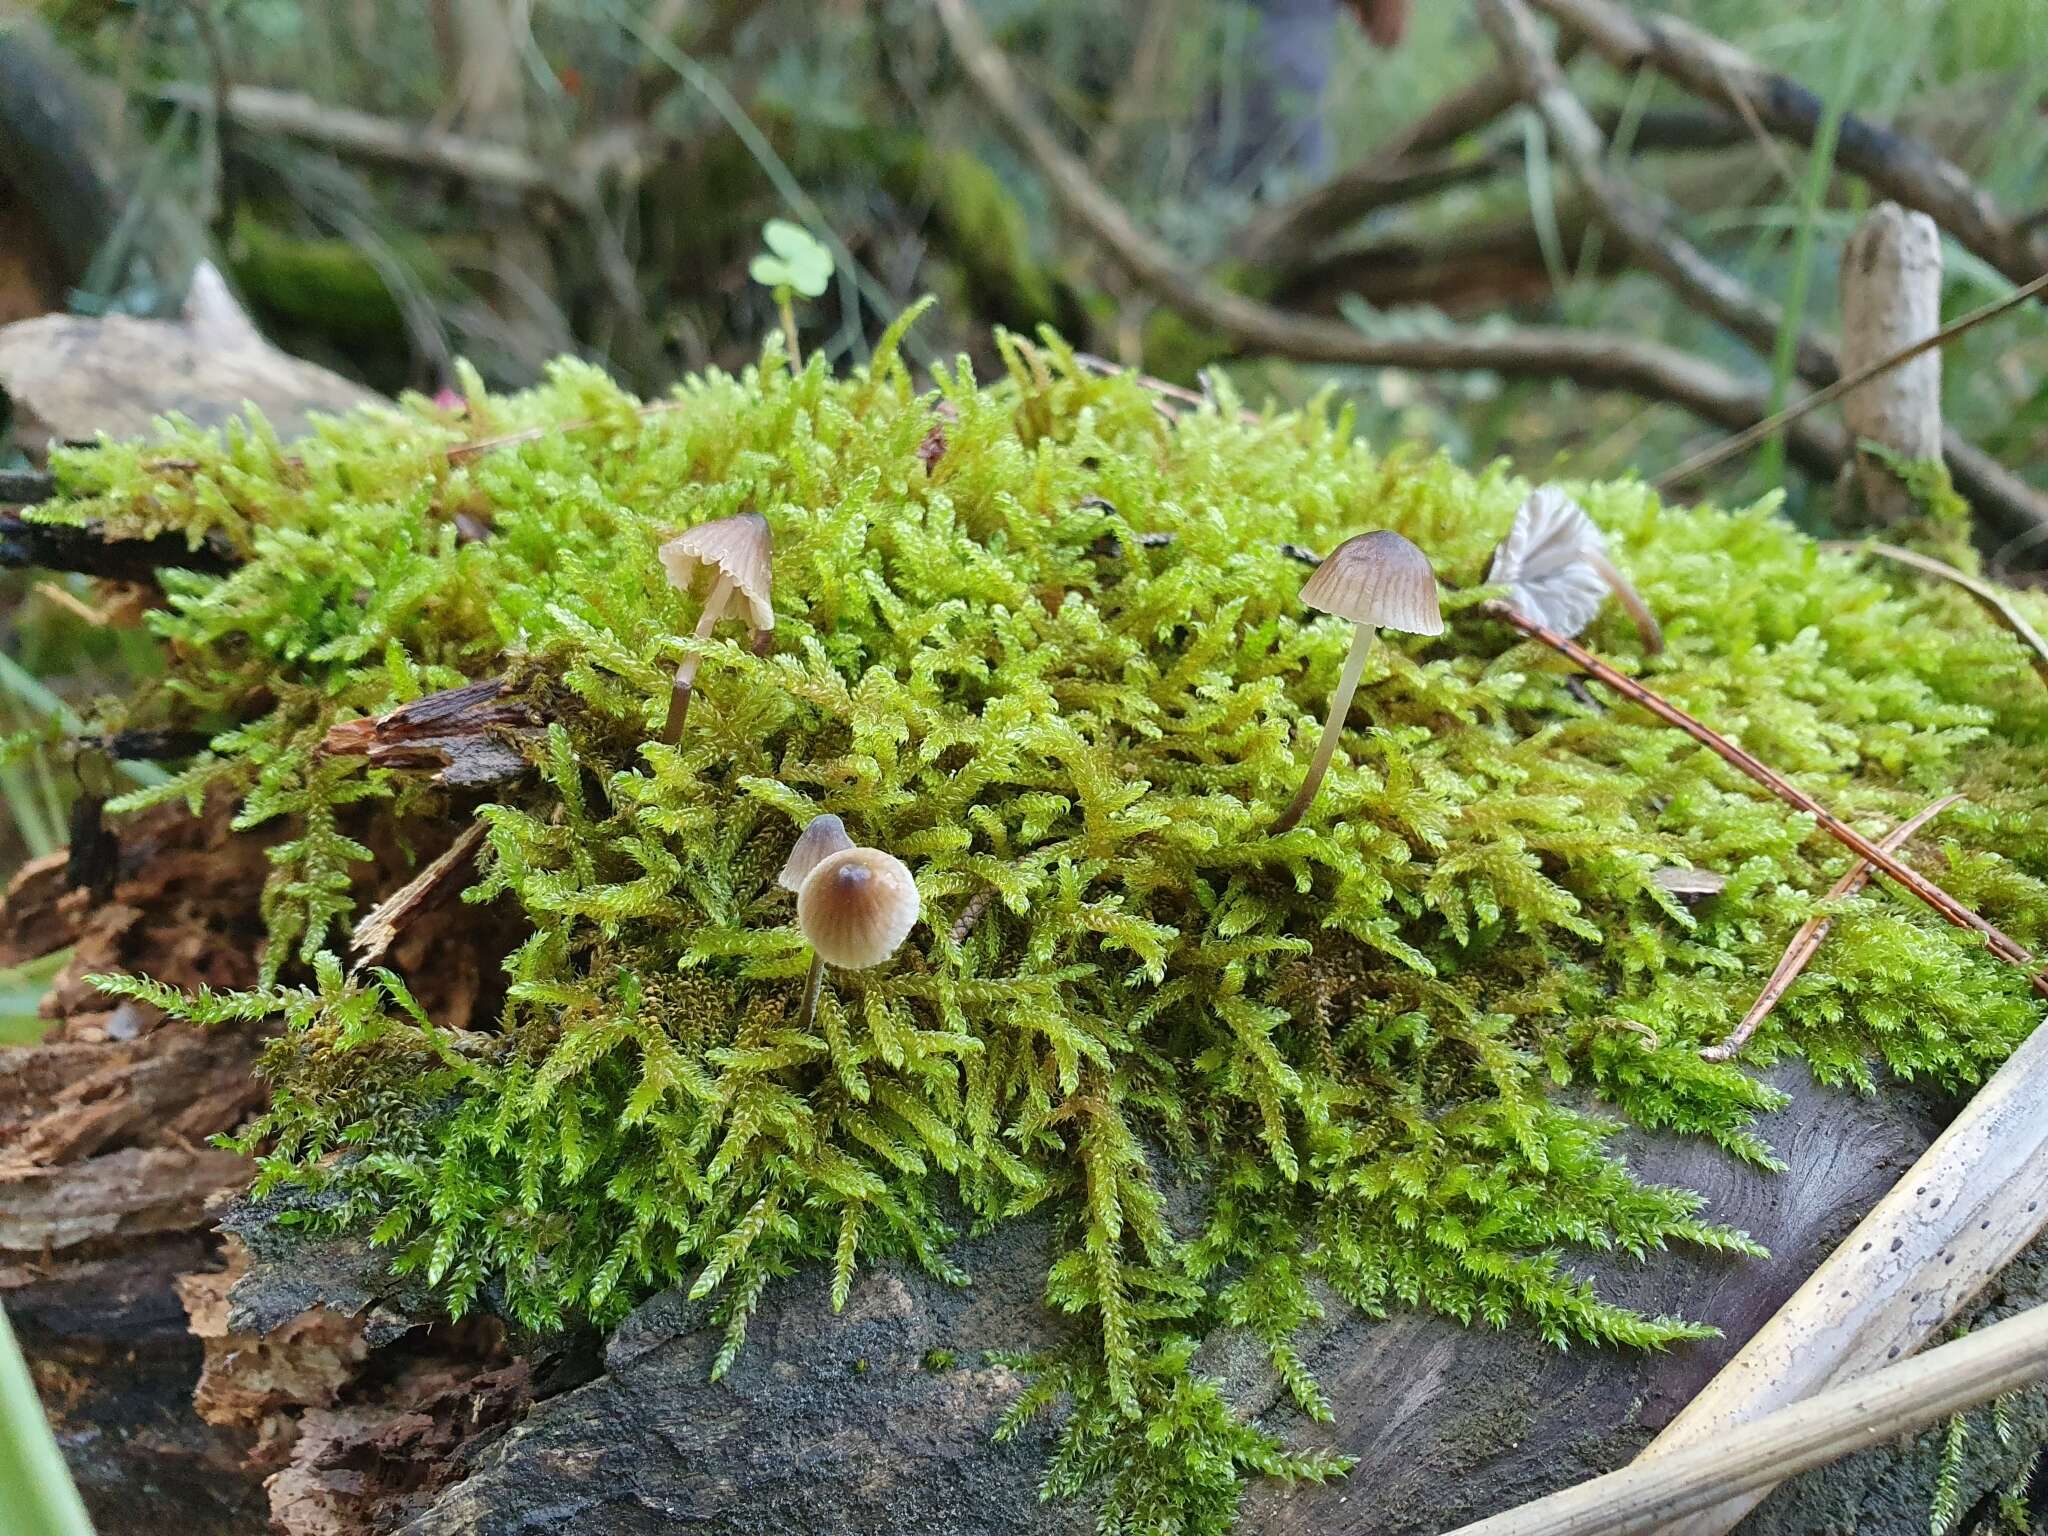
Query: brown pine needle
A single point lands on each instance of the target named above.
(1806, 942)
(1985, 593)
(1749, 437)
(2000, 943)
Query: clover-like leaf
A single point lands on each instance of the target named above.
(795, 259)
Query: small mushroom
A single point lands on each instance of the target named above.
(1378, 581)
(1555, 566)
(855, 906)
(823, 837)
(739, 551)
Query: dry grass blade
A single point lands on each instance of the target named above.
(1806, 943)
(1798, 409)
(1985, 593)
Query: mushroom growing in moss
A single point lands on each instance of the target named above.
(1555, 566)
(1378, 581)
(740, 553)
(855, 906)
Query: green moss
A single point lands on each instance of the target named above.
(1350, 1039)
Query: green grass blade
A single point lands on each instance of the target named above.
(35, 1486)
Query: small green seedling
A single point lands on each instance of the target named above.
(795, 262)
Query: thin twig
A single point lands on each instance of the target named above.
(2000, 606)
(2000, 944)
(1806, 942)
(1798, 410)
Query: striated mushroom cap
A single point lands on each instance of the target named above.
(741, 548)
(857, 907)
(1551, 561)
(823, 837)
(1379, 579)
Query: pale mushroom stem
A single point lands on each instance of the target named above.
(1647, 628)
(686, 671)
(1340, 706)
(812, 985)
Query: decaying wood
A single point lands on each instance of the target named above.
(1891, 298)
(1651, 1495)
(467, 735)
(1971, 1202)
(1807, 941)
(70, 378)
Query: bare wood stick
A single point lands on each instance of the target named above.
(1891, 297)
(1798, 410)
(1985, 593)
(421, 146)
(1900, 168)
(1918, 884)
(1591, 358)
(1807, 941)
(1648, 232)
(1975, 1198)
(1656, 1494)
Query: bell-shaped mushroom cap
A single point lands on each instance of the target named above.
(1551, 561)
(825, 836)
(857, 907)
(1379, 579)
(741, 548)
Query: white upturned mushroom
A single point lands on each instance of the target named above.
(1378, 581)
(1555, 566)
(740, 553)
(854, 906)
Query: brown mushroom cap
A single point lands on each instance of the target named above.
(857, 907)
(1378, 579)
(823, 837)
(740, 548)
(1550, 562)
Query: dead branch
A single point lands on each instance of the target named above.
(1900, 168)
(620, 152)
(1648, 232)
(1591, 358)
(1323, 210)
(1807, 941)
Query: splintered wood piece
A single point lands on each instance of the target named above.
(466, 735)
(379, 929)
